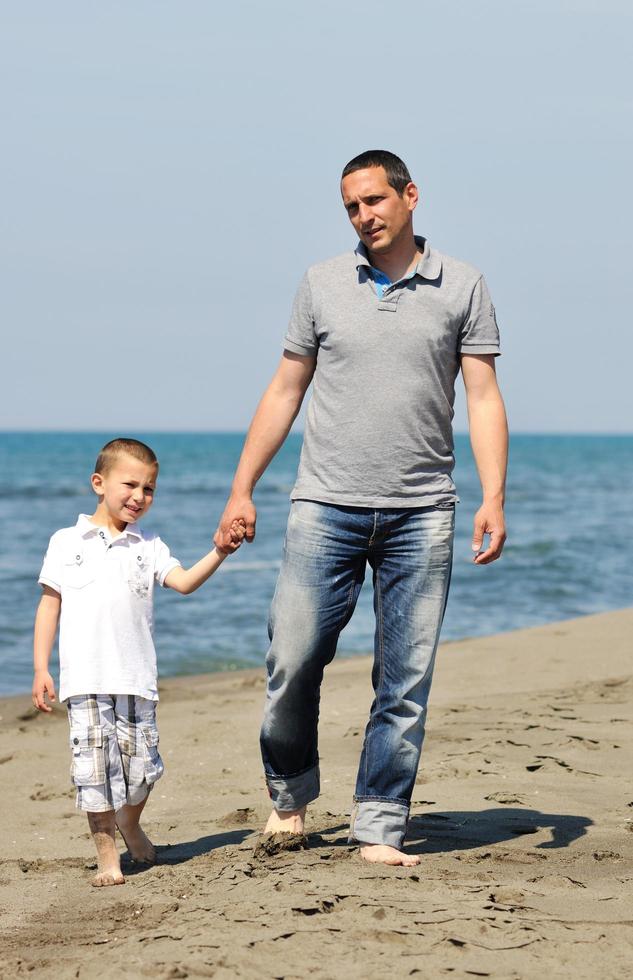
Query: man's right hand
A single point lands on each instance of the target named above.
(240, 509)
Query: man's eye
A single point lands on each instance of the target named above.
(128, 485)
(149, 490)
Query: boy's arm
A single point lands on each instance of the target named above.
(187, 580)
(46, 620)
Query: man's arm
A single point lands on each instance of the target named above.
(46, 620)
(271, 424)
(489, 439)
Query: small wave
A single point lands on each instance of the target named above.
(40, 492)
(19, 491)
(276, 488)
(220, 487)
(537, 548)
(251, 566)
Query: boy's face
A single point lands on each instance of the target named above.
(127, 488)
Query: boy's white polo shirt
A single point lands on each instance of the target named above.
(106, 585)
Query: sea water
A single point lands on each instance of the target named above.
(569, 549)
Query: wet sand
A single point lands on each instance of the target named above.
(522, 815)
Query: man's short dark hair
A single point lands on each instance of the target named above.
(397, 174)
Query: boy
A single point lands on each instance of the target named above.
(98, 579)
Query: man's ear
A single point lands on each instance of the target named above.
(412, 195)
(96, 482)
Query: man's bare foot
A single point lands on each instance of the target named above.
(384, 854)
(286, 822)
(136, 840)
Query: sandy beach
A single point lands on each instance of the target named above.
(522, 815)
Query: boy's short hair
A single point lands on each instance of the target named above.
(398, 175)
(119, 447)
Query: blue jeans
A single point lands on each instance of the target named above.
(325, 555)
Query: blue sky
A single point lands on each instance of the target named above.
(170, 170)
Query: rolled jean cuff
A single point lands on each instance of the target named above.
(379, 822)
(293, 792)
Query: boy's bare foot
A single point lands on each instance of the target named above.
(286, 822)
(136, 840)
(103, 878)
(384, 854)
(109, 868)
(138, 844)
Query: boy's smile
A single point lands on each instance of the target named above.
(126, 492)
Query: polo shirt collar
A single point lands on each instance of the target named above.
(86, 528)
(362, 257)
(429, 266)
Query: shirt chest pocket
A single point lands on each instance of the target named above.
(139, 573)
(77, 572)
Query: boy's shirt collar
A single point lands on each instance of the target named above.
(86, 528)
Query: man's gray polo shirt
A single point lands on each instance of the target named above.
(378, 428)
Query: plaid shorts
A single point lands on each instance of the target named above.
(114, 744)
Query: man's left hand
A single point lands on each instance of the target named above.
(489, 520)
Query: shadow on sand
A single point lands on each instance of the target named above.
(428, 833)
(462, 830)
(458, 830)
(187, 850)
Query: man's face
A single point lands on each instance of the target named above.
(380, 216)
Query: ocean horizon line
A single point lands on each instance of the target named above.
(562, 433)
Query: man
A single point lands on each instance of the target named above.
(382, 333)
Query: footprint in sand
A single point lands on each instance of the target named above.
(504, 895)
(43, 866)
(505, 798)
(606, 856)
(520, 857)
(587, 743)
(51, 794)
(237, 818)
(557, 881)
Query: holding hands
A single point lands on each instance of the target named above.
(231, 540)
(236, 524)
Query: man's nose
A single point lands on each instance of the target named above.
(365, 214)
(139, 495)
